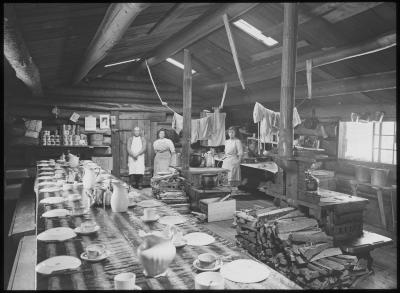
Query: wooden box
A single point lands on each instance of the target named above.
(195, 194)
(193, 175)
(218, 211)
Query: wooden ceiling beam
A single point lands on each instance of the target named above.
(116, 21)
(17, 53)
(198, 29)
(320, 58)
(344, 86)
(167, 19)
(127, 85)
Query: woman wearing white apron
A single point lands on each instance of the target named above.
(233, 157)
(164, 148)
(136, 148)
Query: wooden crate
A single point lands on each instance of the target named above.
(193, 175)
(218, 211)
(195, 194)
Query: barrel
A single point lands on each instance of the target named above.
(96, 139)
(379, 176)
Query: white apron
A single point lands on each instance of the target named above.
(231, 162)
(136, 166)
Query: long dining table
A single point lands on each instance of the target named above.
(119, 232)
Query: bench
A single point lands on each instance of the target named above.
(24, 218)
(23, 272)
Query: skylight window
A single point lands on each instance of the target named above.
(178, 64)
(122, 62)
(255, 33)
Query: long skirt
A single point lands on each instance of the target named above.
(162, 162)
(232, 163)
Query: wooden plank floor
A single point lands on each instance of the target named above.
(385, 258)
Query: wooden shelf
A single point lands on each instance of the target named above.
(64, 146)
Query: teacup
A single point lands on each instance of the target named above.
(93, 251)
(207, 260)
(88, 226)
(125, 281)
(149, 213)
(209, 280)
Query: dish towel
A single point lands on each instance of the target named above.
(205, 128)
(177, 123)
(218, 125)
(195, 130)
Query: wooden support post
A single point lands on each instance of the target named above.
(288, 81)
(187, 108)
(115, 144)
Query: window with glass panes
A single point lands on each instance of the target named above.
(384, 142)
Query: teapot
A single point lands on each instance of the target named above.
(119, 198)
(156, 251)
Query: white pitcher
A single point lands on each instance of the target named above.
(89, 177)
(73, 160)
(119, 198)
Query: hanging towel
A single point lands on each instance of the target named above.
(177, 123)
(205, 128)
(195, 130)
(218, 134)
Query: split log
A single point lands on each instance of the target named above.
(326, 253)
(118, 18)
(17, 53)
(310, 252)
(296, 224)
(314, 237)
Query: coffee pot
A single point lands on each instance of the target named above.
(209, 158)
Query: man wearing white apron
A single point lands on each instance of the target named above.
(136, 147)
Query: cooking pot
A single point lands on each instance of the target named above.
(195, 160)
(363, 173)
(209, 181)
(379, 176)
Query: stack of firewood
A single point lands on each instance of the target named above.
(295, 246)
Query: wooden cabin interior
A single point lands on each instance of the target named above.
(282, 124)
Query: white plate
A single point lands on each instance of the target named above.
(150, 220)
(79, 231)
(42, 169)
(53, 200)
(172, 220)
(218, 265)
(198, 239)
(43, 165)
(99, 258)
(45, 177)
(74, 197)
(50, 189)
(58, 263)
(46, 173)
(245, 271)
(57, 234)
(45, 183)
(149, 203)
(56, 213)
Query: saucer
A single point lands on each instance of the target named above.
(79, 231)
(99, 258)
(217, 266)
(150, 220)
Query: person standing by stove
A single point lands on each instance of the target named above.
(136, 148)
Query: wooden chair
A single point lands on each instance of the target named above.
(23, 270)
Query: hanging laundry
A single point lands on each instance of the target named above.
(195, 130)
(218, 126)
(177, 123)
(270, 120)
(205, 128)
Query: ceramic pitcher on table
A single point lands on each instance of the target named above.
(89, 177)
(119, 198)
(73, 160)
(156, 252)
